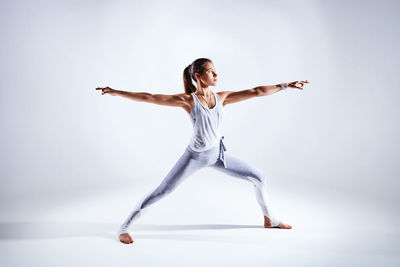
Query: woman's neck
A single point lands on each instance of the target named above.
(205, 91)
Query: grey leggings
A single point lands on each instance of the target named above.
(192, 161)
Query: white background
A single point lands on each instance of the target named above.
(74, 162)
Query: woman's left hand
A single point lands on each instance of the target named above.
(297, 84)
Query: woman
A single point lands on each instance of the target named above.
(206, 147)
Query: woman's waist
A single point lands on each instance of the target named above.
(208, 148)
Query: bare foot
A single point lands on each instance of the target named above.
(125, 238)
(267, 224)
(283, 226)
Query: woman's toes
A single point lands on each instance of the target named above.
(284, 226)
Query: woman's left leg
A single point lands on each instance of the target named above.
(238, 168)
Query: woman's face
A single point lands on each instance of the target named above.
(209, 76)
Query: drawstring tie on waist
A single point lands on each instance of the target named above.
(222, 148)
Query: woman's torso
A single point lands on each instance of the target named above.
(207, 123)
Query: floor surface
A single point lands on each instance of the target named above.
(202, 223)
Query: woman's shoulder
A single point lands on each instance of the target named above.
(188, 101)
(186, 97)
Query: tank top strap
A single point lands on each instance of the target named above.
(218, 103)
(194, 96)
(216, 97)
(195, 99)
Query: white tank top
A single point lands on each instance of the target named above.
(207, 123)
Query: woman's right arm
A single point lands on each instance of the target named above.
(178, 100)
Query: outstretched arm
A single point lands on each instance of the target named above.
(176, 100)
(229, 97)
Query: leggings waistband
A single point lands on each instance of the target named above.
(222, 149)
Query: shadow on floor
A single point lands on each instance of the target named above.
(50, 230)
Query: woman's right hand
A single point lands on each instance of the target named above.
(107, 90)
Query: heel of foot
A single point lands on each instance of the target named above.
(126, 238)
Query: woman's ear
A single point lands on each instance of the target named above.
(197, 76)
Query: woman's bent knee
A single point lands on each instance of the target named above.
(258, 179)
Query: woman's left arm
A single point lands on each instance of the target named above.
(229, 97)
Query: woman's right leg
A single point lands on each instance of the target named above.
(238, 168)
(184, 167)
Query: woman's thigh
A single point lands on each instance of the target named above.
(239, 168)
(182, 169)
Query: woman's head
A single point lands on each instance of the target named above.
(202, 71)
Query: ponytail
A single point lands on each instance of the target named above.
(187, 80)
